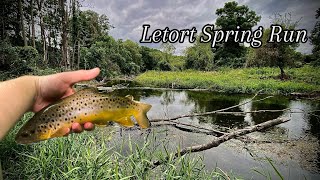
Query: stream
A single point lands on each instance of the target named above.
(293, 146)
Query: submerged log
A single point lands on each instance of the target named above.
(227, 136)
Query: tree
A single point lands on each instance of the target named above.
(229, 17)
(149, 62)
(92, 26)
(168, 50)
(134, 50)
(22, 23)
(278, 54)
(52, 26)
(199, 56)
(40, 7)
(33, 31)
(74, 26)
(78, 39)
(315, 40)
(64, 36)
(11, 22)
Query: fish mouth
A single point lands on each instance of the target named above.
(21, 138)
(23, 141)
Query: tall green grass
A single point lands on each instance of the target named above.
(103, 155)
(248, 80)
(97, 155)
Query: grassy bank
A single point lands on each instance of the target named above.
(248, 80)
(96, 155)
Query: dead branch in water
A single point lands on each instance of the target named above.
(227, 136)
(220, 111)
(175, 123)
(194, 129)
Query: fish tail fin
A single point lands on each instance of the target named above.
(141, 117)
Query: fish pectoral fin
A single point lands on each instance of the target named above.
(60, 132)
(125, 121)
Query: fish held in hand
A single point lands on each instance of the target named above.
(87, 105)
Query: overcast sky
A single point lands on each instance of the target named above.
(128, 16)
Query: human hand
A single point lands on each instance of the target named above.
(54, 87)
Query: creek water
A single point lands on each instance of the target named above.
(293, 146)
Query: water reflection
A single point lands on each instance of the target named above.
(168, 103)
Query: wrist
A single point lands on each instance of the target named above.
(31, 85)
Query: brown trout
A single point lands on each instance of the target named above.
(87, 105)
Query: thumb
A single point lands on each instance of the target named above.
(80, 75)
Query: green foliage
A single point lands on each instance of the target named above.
(232, 62)
(168, 49)
(92, 26)
(276, 54)
(117, 57)
(233, 15)
(16, 61)
(229, 50)
(99, 55)
(10, 29)
(164, 66)
(229, 17)
(8, 56)
(248, 80)
(199, 56)
(316, 57)
(148, 59)
(315, 41)
(29, 55)
(177, 62)
(134, 50)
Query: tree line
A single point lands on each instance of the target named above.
(233, 54)
(56, 34)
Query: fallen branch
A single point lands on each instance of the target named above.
(211, 112)
(217, 141)
(194, 129)
(194, 126)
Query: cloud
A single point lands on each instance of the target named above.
(128, 16)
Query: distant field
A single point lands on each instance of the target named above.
(249, 80)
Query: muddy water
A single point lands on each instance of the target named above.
(293, 147)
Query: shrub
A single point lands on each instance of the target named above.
(28, 54)
(164, 66)
(8, 56)
(232, 62)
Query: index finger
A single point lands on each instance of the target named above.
(73, 77)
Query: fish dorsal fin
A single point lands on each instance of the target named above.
(129, 97)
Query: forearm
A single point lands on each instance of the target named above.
(16, 97)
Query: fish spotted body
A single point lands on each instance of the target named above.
(87, 105)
